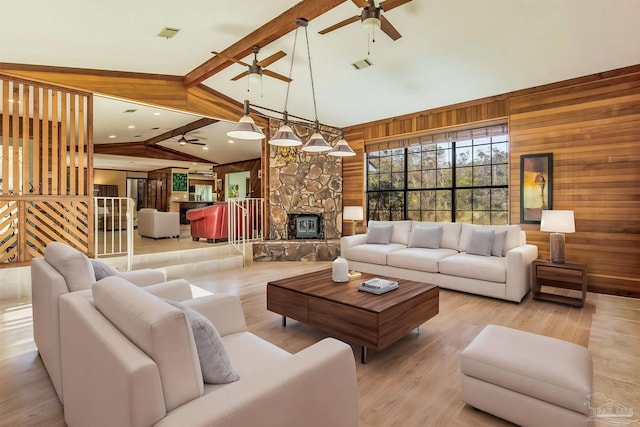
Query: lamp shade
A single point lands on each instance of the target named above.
(246, 129)
(285, 137)
(368, 24)
(557, 221)
(342, 149)
(353, 213)
(316, 144)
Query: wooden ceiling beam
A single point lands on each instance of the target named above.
(139, 149)
(200, 123)
(268, 33)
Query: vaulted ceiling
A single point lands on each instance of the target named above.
(450, 50)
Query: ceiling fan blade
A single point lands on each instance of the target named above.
(392, 4)
(271, 59)
(389, 29)
(241, 75)
(193, 140)
(340, 24)
(360, 3)
(196, 143)
(276, 76)
(227, 57)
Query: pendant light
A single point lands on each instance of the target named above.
(246, 127)
(285, 136)
(342, 149)
(316, 143)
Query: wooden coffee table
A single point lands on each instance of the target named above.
(371, 321)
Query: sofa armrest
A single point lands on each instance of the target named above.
(347, 242)
(144, 277)
(176, 290)
(315, 387)
(223, 310)
(519, 261)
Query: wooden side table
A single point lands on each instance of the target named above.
(567, 276)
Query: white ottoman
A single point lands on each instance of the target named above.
(528, 379)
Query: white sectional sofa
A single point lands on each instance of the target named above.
(131, 359)
(493, 261)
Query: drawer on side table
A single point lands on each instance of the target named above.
(567, 276)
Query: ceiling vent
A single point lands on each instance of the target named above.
(130, 110)
(168, 32)
(363, 63)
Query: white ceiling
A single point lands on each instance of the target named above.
(450, 51)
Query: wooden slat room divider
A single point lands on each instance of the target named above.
(46, 141)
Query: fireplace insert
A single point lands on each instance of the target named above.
(305, 226)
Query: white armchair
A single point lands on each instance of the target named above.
(156, 225)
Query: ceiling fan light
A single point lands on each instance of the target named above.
(255, 78)
(371, 23)
(316, 144)
(341, 149)
(285, 137)
(246, 129)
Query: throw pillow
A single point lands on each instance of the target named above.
(214, 361)
(498, 243)
(102, 269)
(425, 237)
(379, 234)
(481, 242)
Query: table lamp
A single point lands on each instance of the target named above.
(557, 222)
(353, 214)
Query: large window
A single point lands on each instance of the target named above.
(458, 176)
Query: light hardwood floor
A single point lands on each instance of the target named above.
(415, 382)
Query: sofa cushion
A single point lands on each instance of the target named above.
(401, 230)
(481, 242)
(498, 243)
(379, 234)
(101, 269)
(158, 329)
(419, 259)
(373, 254)
(72, 264)
(450, 232)
(214, 361)
(511, 241)
(425, 237)
(492, 269)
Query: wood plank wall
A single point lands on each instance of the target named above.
(593, 131)
(592, 126)
(46, 137)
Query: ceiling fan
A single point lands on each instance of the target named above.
(371, 16)
(183, 140)
(258, 68)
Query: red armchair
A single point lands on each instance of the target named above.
(209, 222)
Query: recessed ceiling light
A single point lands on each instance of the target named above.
(131, 127)
(231, 141)
(112, 136)
(194, 164)
(156, 113)
(204, 147)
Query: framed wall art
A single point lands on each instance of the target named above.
(536, 179)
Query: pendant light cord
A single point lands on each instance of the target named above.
(313, 90)
(293, 54)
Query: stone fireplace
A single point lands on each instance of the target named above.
(305, 202)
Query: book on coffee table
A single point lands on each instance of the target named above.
(378, 286)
